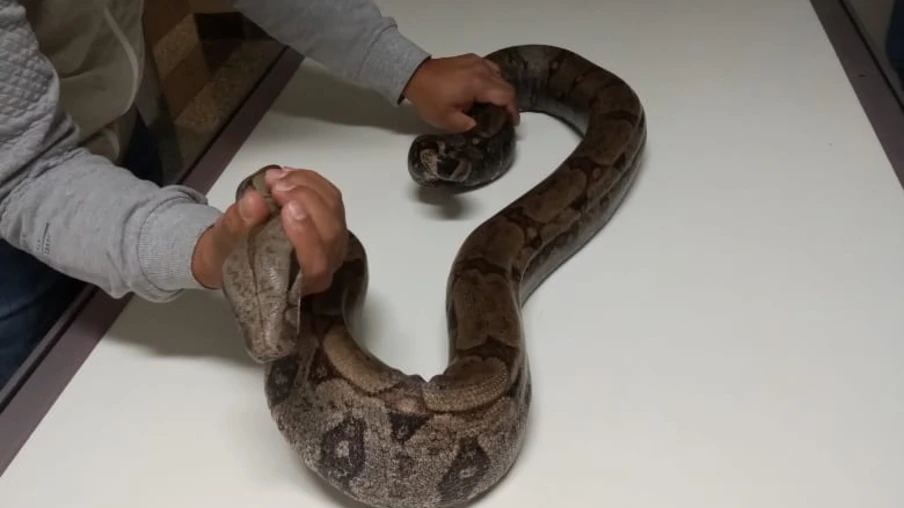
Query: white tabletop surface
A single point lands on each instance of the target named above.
(732, 338)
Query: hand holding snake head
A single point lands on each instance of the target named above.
(301, 209)
(297, 242)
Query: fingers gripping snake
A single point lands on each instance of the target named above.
(389, 439)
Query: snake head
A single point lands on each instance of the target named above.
(438, 159)
(465, 160)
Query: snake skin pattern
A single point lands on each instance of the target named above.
(393, 440)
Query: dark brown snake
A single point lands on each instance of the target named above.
(394, 440)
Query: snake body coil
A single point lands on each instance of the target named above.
(394, 440)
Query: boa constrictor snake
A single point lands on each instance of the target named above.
(393, 440)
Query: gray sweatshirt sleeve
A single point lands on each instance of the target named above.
(90, 219)
(73, 210)
(351, 38)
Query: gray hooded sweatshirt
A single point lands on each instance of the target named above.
(69, 72)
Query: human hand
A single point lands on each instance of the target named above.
(444, 89)
(313, 217)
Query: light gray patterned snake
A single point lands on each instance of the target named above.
(393, 440)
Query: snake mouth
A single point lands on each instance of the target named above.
(452, 169)
(443, 167)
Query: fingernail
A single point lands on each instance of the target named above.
(276, 173)
(296, 211)
(244, 210)
(284, 186)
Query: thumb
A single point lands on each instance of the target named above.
(215, 244)
(250, 211)
(458, 121)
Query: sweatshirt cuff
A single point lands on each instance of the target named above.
(390, 63)
(167, 243)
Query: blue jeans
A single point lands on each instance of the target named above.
(33, 295)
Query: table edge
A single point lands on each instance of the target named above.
(876, 94)
(61, 352)
(73, 338)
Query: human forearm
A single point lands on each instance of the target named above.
(75, 211)
(350, 37)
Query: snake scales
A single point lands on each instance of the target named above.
(389, 439)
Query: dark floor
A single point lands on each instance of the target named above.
(205, 59)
